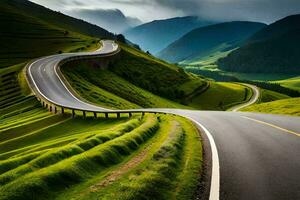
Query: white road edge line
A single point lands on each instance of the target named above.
(214, 193)
(55, 70)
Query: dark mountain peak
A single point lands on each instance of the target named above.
(202, 41)
(168, 30)
(273, 49)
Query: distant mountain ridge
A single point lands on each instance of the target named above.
(110, 19)
(158, 34)
(57, 18)
(203, 41)
(274, 49)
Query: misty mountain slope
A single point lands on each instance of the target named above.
(111, 19)
(274, 49)
(158, 34)
(29, 31)
(56, 18)
(204, 41)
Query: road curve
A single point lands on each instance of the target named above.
(254, 156)
(253, 99)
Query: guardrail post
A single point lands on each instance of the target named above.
(50, 108)
(95, 115)
(47, 106)
(73, 113)
(55, 109)
(62, 110)
(118, 115)
(106, 115)
(130, 114)
(143, 114)
(84, 115)
(43, 103)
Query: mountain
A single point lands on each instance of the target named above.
(203, 41)
(156, 35)
(29, 30)
(111, 19)
(274, 49)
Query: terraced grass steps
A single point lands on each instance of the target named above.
(68, 154)
(167, 167)
(73, 170)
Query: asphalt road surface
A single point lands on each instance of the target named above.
(254, 156)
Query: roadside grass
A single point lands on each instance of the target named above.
(289, 106)
(221, 96)
(43, 180)
(268, 96)
(169, 166)
(135, 80)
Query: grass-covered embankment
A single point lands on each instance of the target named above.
(222, 96)
(137, 79)
(167, 167)
(268, 96)
(289, 106)
(58, 158)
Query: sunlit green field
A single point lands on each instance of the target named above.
(286, 106)
(293, 83)
(222, 96)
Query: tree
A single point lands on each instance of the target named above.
(121, 38)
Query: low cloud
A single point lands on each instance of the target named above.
(147, 10)
(111, 19)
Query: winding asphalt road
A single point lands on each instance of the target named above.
(254, 156)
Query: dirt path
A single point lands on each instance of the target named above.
(115, 175)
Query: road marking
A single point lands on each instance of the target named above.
(215, 173)
(55, 70)
(274, 126)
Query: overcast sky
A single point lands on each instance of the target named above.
(148, 10)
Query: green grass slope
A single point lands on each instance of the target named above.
(205, 41)
(134, 80)
(137, 79)
(29, 31)
(289, 106)
(274, 49)
(268, 96)
(293, 83)
(45, 156)
(221, 96)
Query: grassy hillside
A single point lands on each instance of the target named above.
(268, 95)
(205, 41)
(31, 31)
(293, 83)
(274, 49)
(136, 80)
(221, 96)
(168, 30)
(286, 106)
(45, 156)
